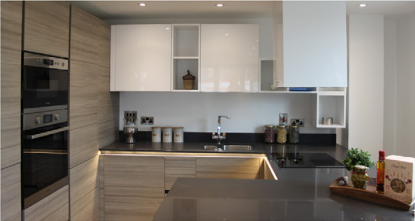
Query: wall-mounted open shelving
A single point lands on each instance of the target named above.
(185, 55)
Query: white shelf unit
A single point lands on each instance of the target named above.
(330, 104)
(185, 55)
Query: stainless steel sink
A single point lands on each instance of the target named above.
(210, 147)
(229, 147)
(238, 147)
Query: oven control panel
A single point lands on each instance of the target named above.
(41, 119)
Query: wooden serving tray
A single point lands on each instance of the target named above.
(367, 195)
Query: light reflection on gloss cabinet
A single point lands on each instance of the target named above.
(141, 57)
(229, 57)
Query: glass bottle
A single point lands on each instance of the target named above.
(281, 134)
(380, 175)
(294, 134)
(269, 135)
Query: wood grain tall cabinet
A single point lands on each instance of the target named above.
(93, 110)
(11, 42)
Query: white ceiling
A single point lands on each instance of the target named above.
(112, 10)
(109, 10)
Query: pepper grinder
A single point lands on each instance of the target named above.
(130, 129)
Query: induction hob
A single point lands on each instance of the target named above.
(306, 160)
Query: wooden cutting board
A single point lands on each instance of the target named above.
(367, 195)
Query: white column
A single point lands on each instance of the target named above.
(406, 86)
(366, 84)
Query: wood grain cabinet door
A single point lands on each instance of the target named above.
(133, 187)
(230, 168)
(11, 49)
(176, 167)
(54, 207)
(46, 28)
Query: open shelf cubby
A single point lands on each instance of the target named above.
(331, 106)
(186, 41)
(180, 67)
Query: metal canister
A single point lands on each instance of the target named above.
(294, 134)
(281, 134)
(269, 135)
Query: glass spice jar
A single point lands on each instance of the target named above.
(294, 134)
(269, 135)
(281, 134)
(360, 177)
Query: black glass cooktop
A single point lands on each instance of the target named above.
(306, 160)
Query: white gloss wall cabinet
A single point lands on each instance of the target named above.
(141, 57)
(314, 44)
(229, 58)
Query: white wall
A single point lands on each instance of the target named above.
(198, 112)
(390, 86)
(406, 86)
(366, 79)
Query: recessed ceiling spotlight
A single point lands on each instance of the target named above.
(219, 5)
(362, 5)
(142, 4)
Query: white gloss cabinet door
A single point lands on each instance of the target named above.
(314, 44)
(141, 57)
(229, 57)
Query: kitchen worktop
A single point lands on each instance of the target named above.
(169, 147)
(303, 195)
(299, 194)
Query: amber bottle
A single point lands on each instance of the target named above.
(380, 178)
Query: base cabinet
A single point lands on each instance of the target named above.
(176, 167)
(133, 187)
(54, 207)
(230, 168)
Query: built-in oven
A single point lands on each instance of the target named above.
(45, 82)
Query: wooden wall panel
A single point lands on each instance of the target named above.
(93, 112)
(83, 93)
(178, 167)
(10, 193)
(47, 27)
(83, 145)
(233, 168)
(54, 207)
(85, 191)
(133, 187)
(11, 42)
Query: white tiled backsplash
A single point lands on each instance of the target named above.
(198, 112)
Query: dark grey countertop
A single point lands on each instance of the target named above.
(171, 147)
(299, 194)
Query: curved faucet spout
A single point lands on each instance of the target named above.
(219, 136)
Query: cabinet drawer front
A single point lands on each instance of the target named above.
(234, 168)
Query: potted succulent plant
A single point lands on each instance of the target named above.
(356, 156)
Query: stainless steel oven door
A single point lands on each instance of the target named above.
(45, 83)
(44, 162)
